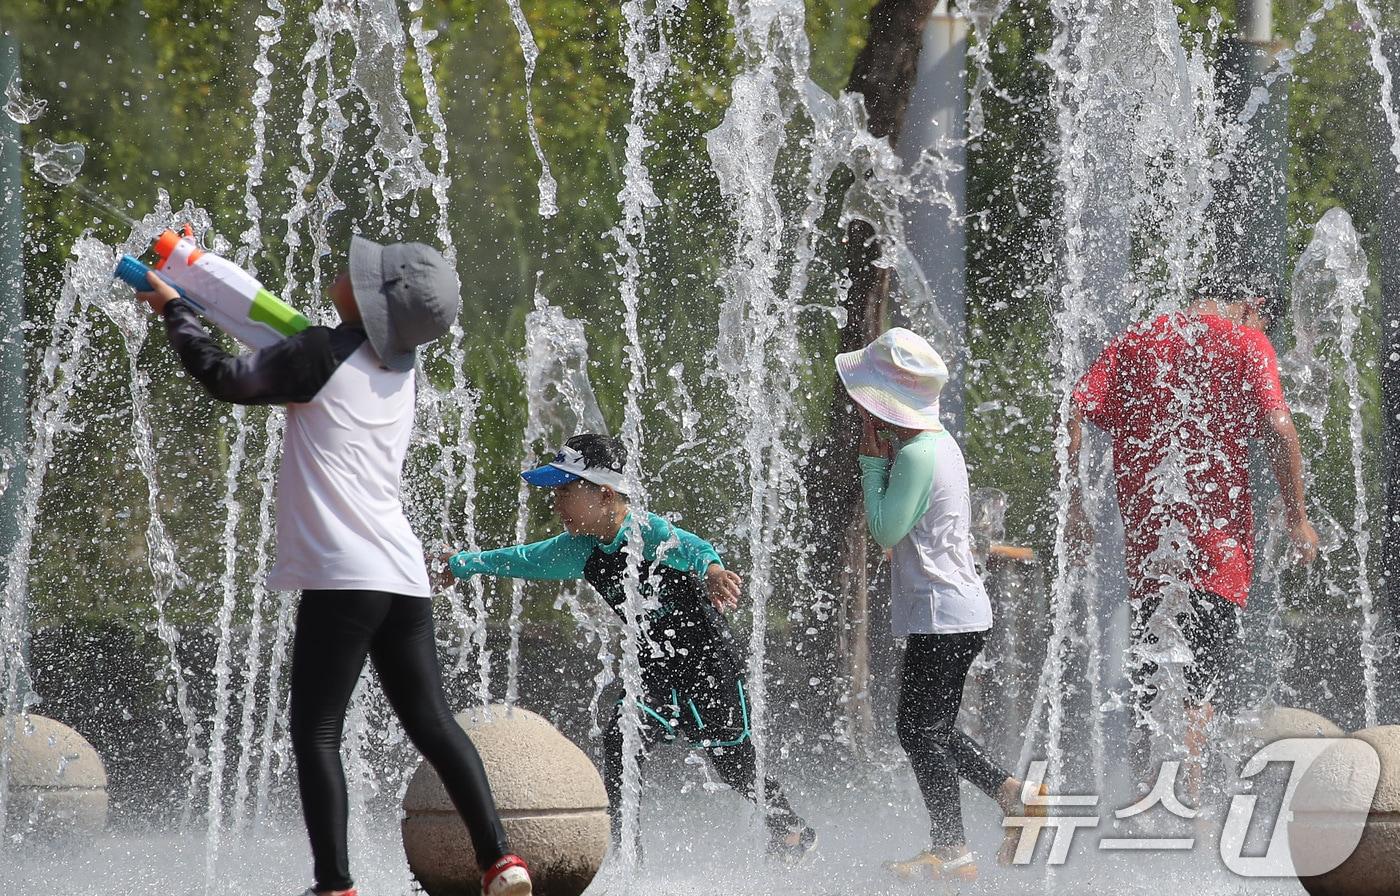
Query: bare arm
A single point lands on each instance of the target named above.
(1286, 460)
(1075, 425)
(1079, 534)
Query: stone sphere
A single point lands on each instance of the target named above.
(58, 787)
(1287, 721)
(1327, 791)
(550, 797)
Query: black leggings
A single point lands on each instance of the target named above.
(335, 631)
(935, 667)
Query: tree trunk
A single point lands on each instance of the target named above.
(884, 74)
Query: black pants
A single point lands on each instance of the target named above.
(935, 667)
(701, 701)
(335, 631)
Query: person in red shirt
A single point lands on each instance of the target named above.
(1181, 396)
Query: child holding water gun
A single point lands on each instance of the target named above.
(343, 539)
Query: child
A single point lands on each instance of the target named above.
(918, 506)
(343, 539)
(692, 672)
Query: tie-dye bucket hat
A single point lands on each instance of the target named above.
(897, 378)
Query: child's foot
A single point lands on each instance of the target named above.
(792, 846)
(508, 877)
(961, 868)
(315, 892)
(1013, 805)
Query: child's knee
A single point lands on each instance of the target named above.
(438, 737)
(309, 731)
(915, 736)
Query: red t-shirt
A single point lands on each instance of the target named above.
(1181, 396)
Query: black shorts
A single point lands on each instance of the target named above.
(1211, 628)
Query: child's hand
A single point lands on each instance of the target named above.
(722, 587)
(440, 571)
(1079, 534)
(872, 442)
(160, 293)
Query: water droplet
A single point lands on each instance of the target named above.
(213, 241)
(58, 163)
(397, 182)
(20, 105)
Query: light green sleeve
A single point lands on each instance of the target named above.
(692, 552)
(897, 495)
(557, 559)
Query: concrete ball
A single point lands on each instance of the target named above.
(1335, 787)
(57, 784)
(1288, 721)
(549, 795)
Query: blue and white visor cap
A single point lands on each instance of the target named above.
(570, 465)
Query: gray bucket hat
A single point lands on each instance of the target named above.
(408, 296)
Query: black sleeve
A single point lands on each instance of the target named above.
(292, 370)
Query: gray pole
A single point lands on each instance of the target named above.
(1251, 218)
(1255, 21)
(14, 414)
(1252, 210)
(1389, 347)
(936, 120)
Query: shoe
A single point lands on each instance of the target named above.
(1011, 836)
(792, 846)
(963, 869)
(311, 891)
(508, 877)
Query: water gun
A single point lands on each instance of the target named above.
(225, 294)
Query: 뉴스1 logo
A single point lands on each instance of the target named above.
(1327, 808)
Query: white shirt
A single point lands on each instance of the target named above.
(340, 519)
(935, 585)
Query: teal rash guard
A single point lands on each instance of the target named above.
(565, 557)
(681, 623)
(896, 494)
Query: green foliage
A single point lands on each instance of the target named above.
(161, 94)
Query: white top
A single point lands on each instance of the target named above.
(935, 586)
(340, 520)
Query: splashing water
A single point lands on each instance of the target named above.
(452, 439)
(648, 58)
(757, 351)
(58, 163)
(560, 403)
(20, 104)
(1330, 284)
(167, 575)
(269, 35)
(58, 379)
(1319, 304)
(379, 61)
(1111, 182)
(549, 206)
(1375, 42)
(1114, 183)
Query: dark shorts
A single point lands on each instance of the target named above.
(1211, 628)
